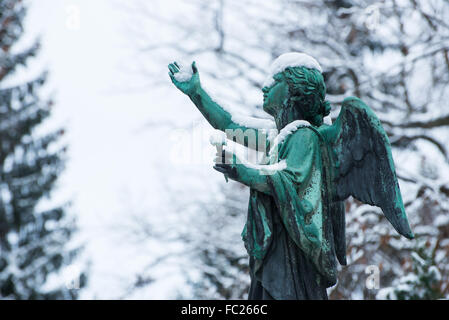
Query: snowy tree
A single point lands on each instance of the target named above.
(200, 240)
(223, 261)
(423, 283)
(33, 234)
(393, 54)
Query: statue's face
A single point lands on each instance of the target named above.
(276, 96)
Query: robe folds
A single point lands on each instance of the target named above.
(289, 232)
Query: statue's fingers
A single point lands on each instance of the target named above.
(176, 67)
(219, 168)
(225, 155)
(172, 68)
(194, 68)
(176, 64)
(172, 77)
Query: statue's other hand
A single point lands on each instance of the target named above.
(229, 170)
(186, 79)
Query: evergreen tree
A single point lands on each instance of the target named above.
(423, 282)
(32, 238)
(222, 258)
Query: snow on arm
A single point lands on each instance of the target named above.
(327, 120)
(267, 169)
(251, 122)
(261, 168)
(276, 165)
(299, 150)
(284, 133)
(239, 118)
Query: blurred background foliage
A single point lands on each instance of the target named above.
(34, 232)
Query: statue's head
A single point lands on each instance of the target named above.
(296, 85)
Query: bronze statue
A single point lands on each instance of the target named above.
(295, 230)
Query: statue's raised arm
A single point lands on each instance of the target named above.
(187, 80)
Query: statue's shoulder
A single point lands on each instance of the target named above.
(305, 135)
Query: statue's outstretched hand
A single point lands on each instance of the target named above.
(186, 79)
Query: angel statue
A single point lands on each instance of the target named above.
(295, 228)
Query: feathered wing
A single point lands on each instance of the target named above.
(364, 165)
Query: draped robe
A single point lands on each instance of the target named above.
(289, 233)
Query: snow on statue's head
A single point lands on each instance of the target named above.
(303, 75)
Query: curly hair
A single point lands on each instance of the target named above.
(307, 93)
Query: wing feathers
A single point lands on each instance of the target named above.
(365, 167)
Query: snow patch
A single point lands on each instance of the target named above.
(264, 169)
(281, 165)
(285, 132)
(185, 72)
(251, 122)
(217, 138)
(267, 169)
(442, 220)
(241, 119)
(291, 59)
(435, 272)
(418, 259)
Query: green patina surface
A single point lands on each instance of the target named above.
(325, 164)
(299, 197)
